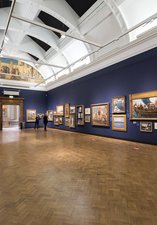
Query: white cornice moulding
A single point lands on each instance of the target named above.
(140, 45)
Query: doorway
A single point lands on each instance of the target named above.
(10, 116)
(11, 112)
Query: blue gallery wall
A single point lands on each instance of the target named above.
(32, 100)
(137, 74)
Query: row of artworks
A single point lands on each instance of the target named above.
(143, 106)
(11, 69)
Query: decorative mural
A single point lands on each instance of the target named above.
(11, 69)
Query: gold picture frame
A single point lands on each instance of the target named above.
(100, 114)
(31, 115)
(119, 122)
(67, 110)
(60, 110)
(119, 104)
(50, 115)
(143, 106)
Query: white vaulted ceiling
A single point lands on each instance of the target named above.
(98, 34)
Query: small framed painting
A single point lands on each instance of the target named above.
(87, 118)
(118, 104)
(72, 109)
(87, 111)
(119, 122)
(146, 126)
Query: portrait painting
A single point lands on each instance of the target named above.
(100, 114)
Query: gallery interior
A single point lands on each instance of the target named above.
(90, 67)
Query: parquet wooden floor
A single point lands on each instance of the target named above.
(64, 178)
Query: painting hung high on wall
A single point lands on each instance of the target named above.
(118, 104)
(60, 110)
(72, 109)
(100, 114)
(67, 110)
(87, 111)
(119, 122)
(50, 115)
(143, 106)
(30, 115)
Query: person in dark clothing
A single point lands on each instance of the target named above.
(45, 121)
(36, 126)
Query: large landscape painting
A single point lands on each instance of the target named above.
(11, 69)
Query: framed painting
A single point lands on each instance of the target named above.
(41, 115)
(119, 122)
(143, 106)
(67, 110)
(60, 110)
(119, 104)
(80, 115)
(146, 126)
(87, 118)
(100, 114)
(72, 109)
(50, 115)
(87, 111)
(67, 122)
(30, 115)
(56, 120)
(72, 123)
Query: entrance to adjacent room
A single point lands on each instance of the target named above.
(11, 113)
(10, 116)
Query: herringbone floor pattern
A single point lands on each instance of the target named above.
(63, 178)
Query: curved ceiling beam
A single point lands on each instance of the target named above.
(59, 9)
(115, 10)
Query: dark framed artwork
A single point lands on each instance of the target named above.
(146, 126)
(100, 114)
(30, 115)
(119, 104)
(67, 110)
(143, 106)
(119, 122)
(80, 115)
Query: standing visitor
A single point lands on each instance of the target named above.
(36, 125)
(45, 121)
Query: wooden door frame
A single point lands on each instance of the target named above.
(11, 101)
